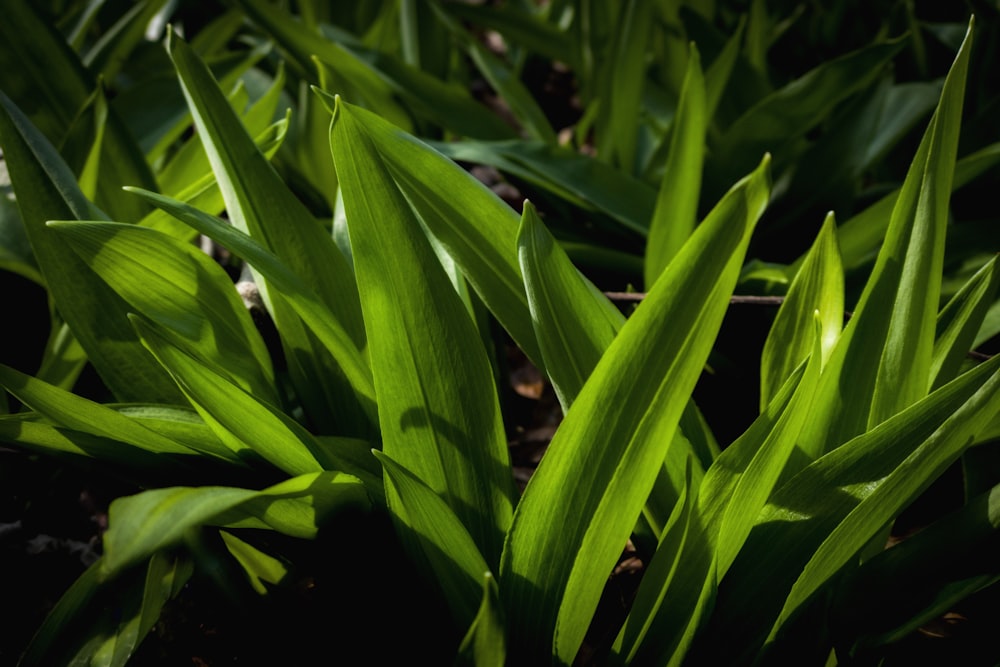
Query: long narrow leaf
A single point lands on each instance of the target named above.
(446, 198)
(260, 204)
(885, 352)
(676, 209)
(441, 540)
(321, 322)
(182, 288)
(586, 494)
(818, 286)
(142, 524)
(47, 190)
(438, 407)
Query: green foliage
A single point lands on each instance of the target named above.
(706, 154)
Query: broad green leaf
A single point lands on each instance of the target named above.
(885, 351)
(180, 424)
(437, 539)
(960, 320)
(46, 190)
(860, 486)
(574, 323)
(581, 180)
(261, 205)
(306, 304)
(446, 198)
(437, 402)
(241, 421)
(102, 622)
(589, 488)
(180, 287)
(882, 501)
(676, 209)
(143, 524)
(818, 287)
(76, 448)
(485, 644)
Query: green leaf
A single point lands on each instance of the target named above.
(886, 350)
(46, 190)
(574, 322)
(783, 117)
(261, 205)
(519, 28)
(583, 181)
(818, 287)
(437, 539)
(179, 287)
(921, 578)
(446, 198)
(827, 512)
(302, 299)
(154, 520)
(861, 236)
(485, 643)
(623, 77)
(672, 602)
(437, 402)
(244, 423)
(99, 622)
(452, 106)
(260, 568)
(74, 412)
(590, 486)
(676, 209)
(960, 320)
